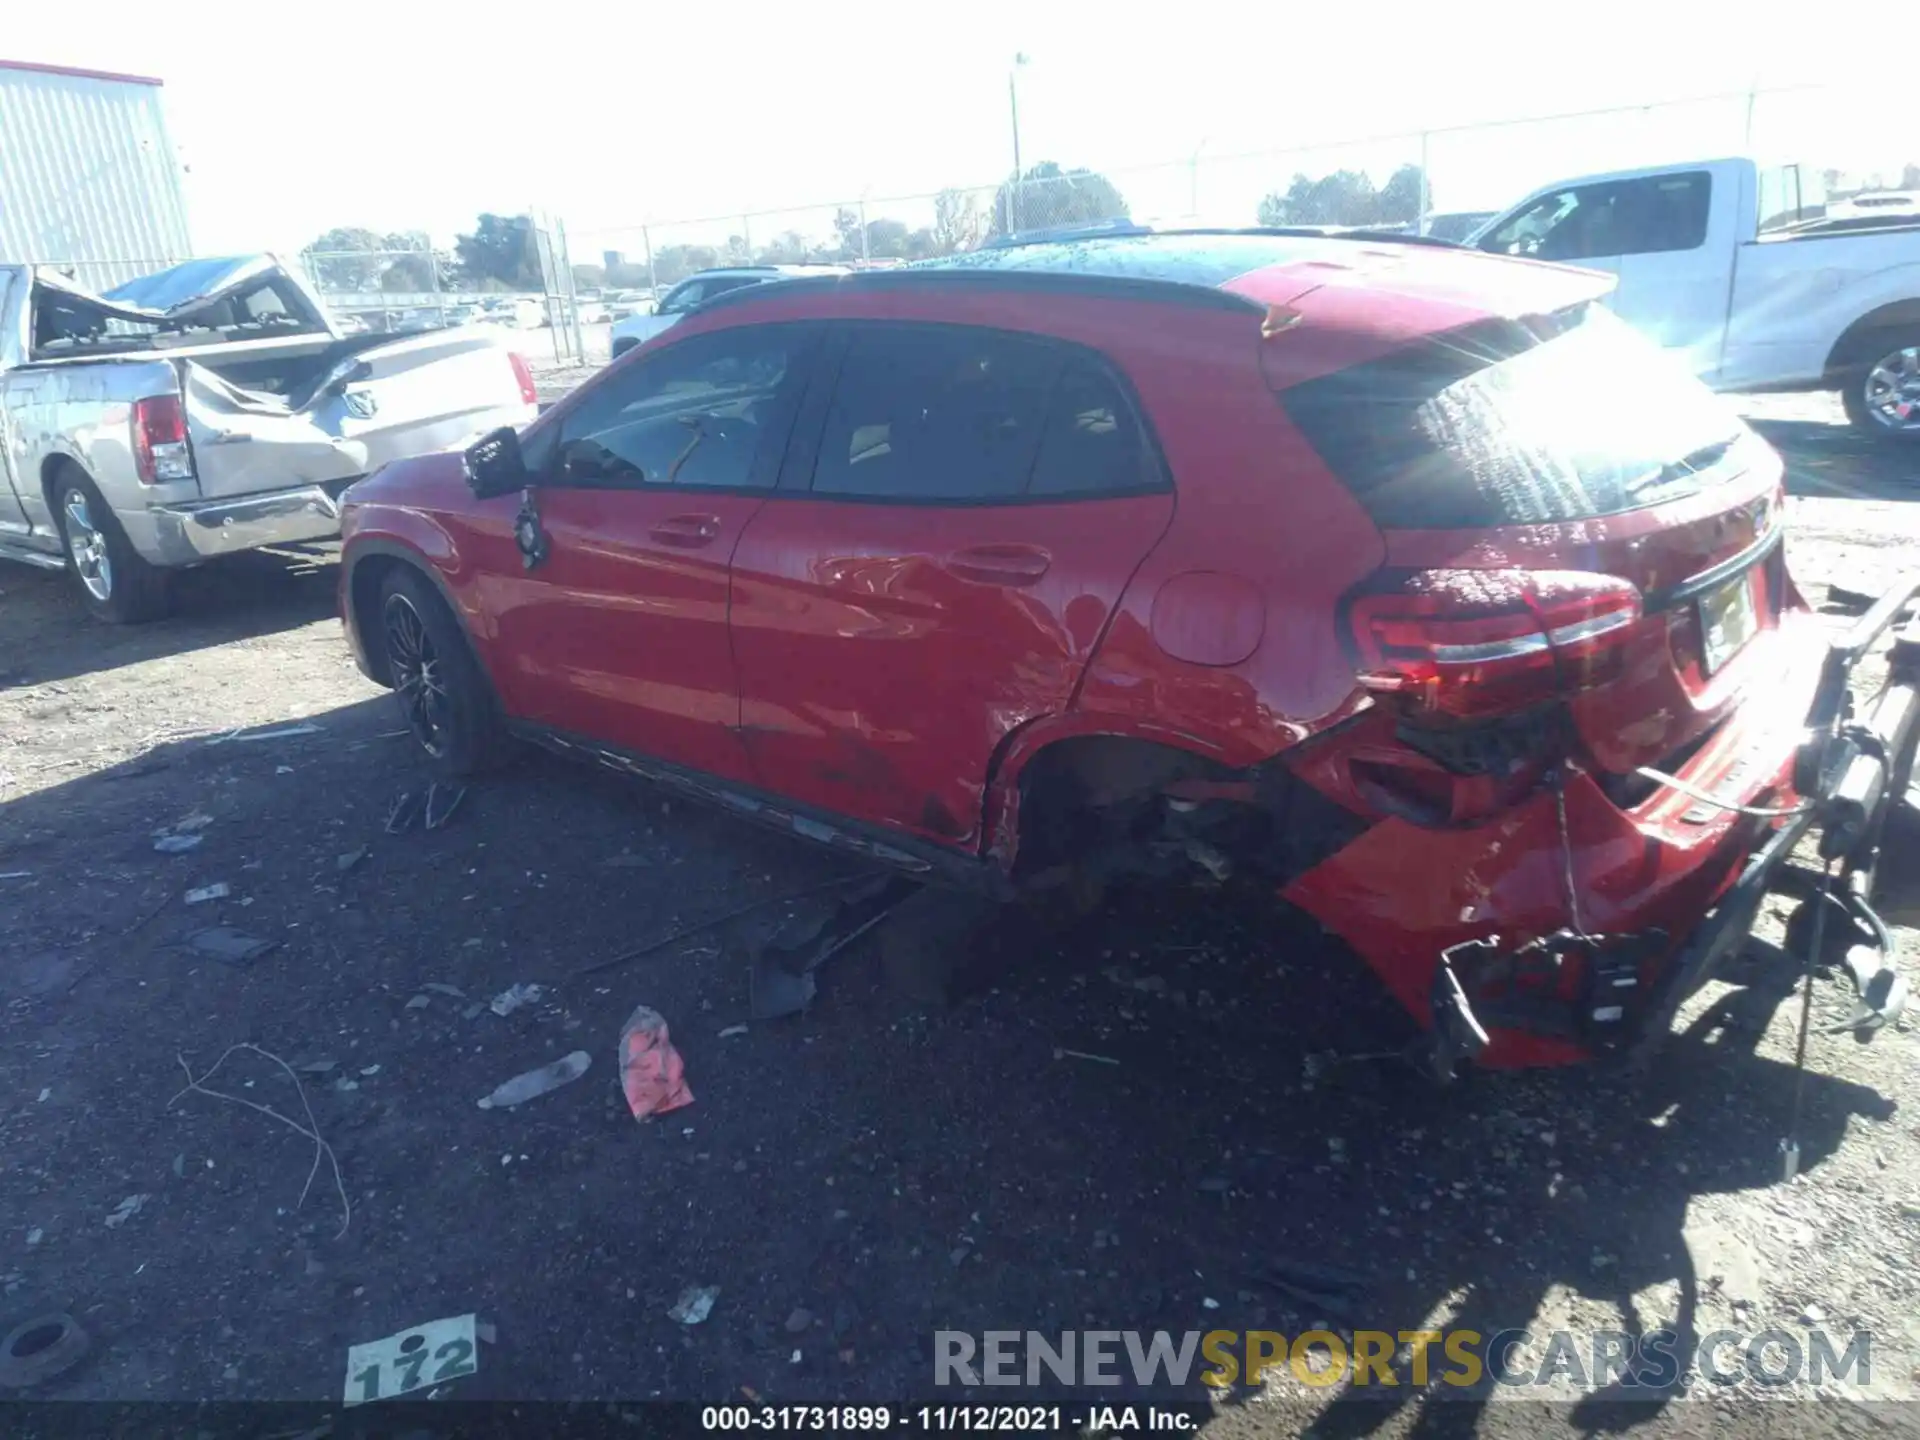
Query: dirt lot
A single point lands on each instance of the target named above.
(851, 1180)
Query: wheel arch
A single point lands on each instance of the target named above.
(368, 565)
(1853, 348)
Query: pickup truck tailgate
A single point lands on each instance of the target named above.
(406, 397)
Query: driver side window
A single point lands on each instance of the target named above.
(684, 298)
(711, 411)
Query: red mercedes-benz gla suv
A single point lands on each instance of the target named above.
(1400, 579)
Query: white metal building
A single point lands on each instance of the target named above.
(88, 176)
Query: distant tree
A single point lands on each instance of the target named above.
(1346, 197)
(500, 248)
(673, 263)
(590, 277)
(1047, 196)
(412, 273)
(846, 226)
(789, 247)
(886, 240)
(354, 258)
(1398, 202)
(957, 222)
(921, 244)
(738, 251)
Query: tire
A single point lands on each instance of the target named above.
(1889, 374)
(444, 697)
(116, 584)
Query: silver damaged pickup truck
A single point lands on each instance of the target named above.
(210, 408)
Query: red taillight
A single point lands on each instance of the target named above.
(160, 440)
(1487, 642)
(523, 372)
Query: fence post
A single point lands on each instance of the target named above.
(653, 280)
(863, 229)
(433, 279)
(746, 237)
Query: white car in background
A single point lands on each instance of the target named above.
(636, 329)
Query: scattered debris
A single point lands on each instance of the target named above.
(126, 1210)
(473, 1011)
(440, 987)
(418, 1002)
(800, 1320)
(224, 943)
(1145, 984)
(219, 890)
(783, 955)
(319, 1067)
(651, 1071)
(16, 874)
(34, 1235)
(695, 1304)
(346, 860)
(370, 1070)
(283, 732)
(733, 1030)
(514, 997)
(196, 820)
(39, 1348)
(321, 1149)
(177, 844)
(429, 1354)
(442, 801)
(535, 1083)
(1062, 1053)
(401, 814)
(700, 927)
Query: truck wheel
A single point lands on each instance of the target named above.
(445, 697)
(1883, 396)
(117, 585)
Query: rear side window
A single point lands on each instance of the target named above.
(968, 415)
(1502, 425)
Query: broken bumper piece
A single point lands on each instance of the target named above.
(1621, 993)
(185, 534)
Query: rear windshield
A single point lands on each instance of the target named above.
(1517, 423)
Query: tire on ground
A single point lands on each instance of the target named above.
(1853, 394)
(477, 738)
(136, 591)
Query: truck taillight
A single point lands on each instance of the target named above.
(160, 440)
(1488, 642)
(523, 372)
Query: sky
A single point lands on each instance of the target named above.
(414, 117)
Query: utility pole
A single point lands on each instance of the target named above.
(1013, 102)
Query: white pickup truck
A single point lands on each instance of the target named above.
(210, 408)
(1748, 275)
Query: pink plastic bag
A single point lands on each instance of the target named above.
(651, 1070)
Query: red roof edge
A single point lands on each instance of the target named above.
(83, 74)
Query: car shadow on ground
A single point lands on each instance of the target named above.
(1837, 462)
(47, 634)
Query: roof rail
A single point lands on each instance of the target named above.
(1068, 282)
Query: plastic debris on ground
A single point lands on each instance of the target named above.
(282, 732)
(695, 1304)
(651, 1071)
(515, 996)
(126, 1210)
(219, 890)
(346, 860)
(426, 1355)
(522, 1088)
(177, 844)
(224, 943)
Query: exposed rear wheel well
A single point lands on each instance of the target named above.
(53, 470)
(1102, 805)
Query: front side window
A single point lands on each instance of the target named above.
(697, 413)
(684, 297)
(1650, 215)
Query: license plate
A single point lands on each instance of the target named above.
(1727, 621)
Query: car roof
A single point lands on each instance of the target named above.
(766, 270)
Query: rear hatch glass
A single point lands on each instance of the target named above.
(1517, 422)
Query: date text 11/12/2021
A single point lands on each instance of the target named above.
(951, 1419)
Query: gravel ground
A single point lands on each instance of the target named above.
(851, 1180)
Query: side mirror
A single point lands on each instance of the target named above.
(495, 465)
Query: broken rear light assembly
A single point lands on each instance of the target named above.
(160, 450)
(1477, 643)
